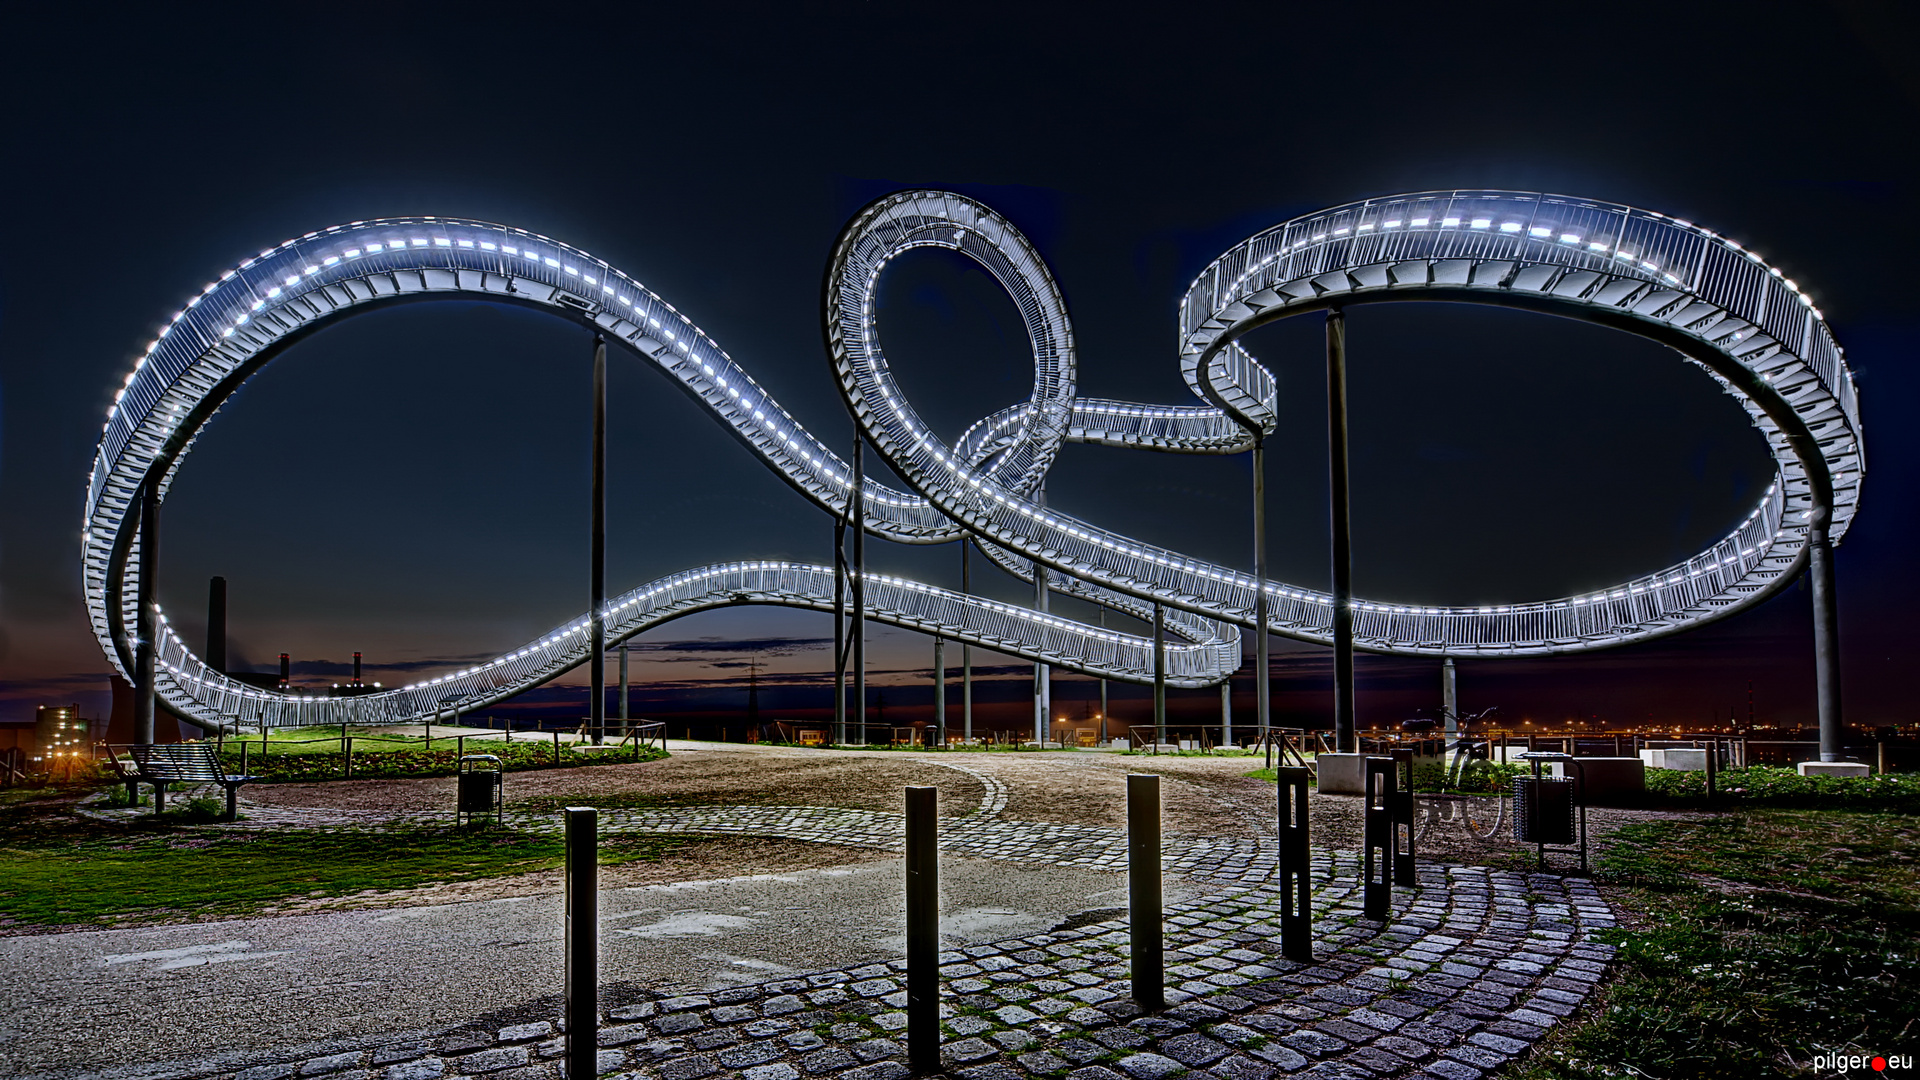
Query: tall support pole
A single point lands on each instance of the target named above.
(966, 650)
(859, 512)
(625, 720)
(840, 624)
(1262, 656)
(1103, 689)
(1159, 673)
(1042, 674)
(1344, 736)
(1226, 713)
(1826, 635)
(147, 625)
(1144, 903)
(923, 929)
(597, 602)
(583, 941)
(1449, 699)
(940, 688)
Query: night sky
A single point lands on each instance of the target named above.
(412, 483)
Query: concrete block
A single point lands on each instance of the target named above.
(1680, 758)
(1341, 774)
(1833, 768)
(1611, 781)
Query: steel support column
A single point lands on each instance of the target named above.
(1159, 674)
(147, 625)
(858, 505)
(597, 590)
(1449, 699)
(1262, 656)
(1345, 738)
(1826, 638)
(966, 650)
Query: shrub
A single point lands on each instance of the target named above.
(1775, 785)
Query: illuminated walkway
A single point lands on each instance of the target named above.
(1717, 304)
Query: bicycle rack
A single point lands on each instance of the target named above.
(1400, 802)
(1296, 887)
(1376, 862)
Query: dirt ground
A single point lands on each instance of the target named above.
(705, 774)
(1200, 796)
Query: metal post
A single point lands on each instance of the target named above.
(147, 625)
(1344, 736)
(923, 929)
(1143, 890)
(624, 724)
(1376, 869)
(1262, 678)
(940, 688)
(1159, 673)
(597, 652)
(1103, 689)
(1042, 683)
(860, 583)
(1226, 712)
(1400, 802)
(583, 942)
(966, 651)
(839, 736)
(1449, 699)
(1295, 864)
(1826, 635)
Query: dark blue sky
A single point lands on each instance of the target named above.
(412, 484)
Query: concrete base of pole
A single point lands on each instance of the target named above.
(1833, 768)
(1341, 774)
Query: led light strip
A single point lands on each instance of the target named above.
(984, 484)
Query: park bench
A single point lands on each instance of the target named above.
(160, 764)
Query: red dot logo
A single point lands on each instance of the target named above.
(1879, 1064)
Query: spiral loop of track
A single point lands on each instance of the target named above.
(1715, 303)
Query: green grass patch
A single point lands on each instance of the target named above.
(71, 872)
(416, 761)
(1772, 936)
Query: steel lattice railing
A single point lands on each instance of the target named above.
(1754, 331)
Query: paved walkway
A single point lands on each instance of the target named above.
(1471, 968)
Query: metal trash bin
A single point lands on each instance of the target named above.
(479, 789)
(1543, 810)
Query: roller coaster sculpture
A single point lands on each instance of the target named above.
(1720, 306)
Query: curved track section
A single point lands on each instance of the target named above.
(1716, 303)
(984, 486)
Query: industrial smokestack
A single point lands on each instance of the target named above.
(356, 669)
(217, 624)
(286, 669)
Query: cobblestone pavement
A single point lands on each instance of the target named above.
(1471, 968)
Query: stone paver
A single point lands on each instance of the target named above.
(1471, 968)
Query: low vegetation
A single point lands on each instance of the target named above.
(1776, 785)
(65, 871)
(1764, 938)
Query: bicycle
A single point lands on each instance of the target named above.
(1480, 816)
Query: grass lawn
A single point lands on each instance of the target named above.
(63, 871)
(1763, 938)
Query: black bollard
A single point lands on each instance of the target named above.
(923, 929)
(583, 942)
(1143, 891)
(1296, 888)
(1376, 865)
(1401, 801)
